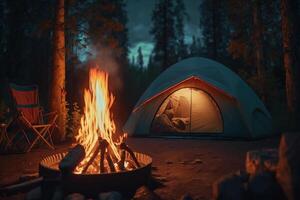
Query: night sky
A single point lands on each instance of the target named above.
(139, 24)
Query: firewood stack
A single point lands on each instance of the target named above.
(102, 159)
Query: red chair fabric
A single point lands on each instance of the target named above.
(27, 102)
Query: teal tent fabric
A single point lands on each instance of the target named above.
(237, 102)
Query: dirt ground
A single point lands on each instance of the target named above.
(182, 166)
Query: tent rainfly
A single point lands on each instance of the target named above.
(199, 96)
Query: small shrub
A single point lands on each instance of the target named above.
(74, 121)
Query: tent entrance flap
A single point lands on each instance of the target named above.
(188, 110)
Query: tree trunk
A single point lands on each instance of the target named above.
(258, 47)
(288, 60)
(58, 94)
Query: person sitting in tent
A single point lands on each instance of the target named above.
(167, 121)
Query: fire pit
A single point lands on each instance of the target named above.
(125, 182)
(101, 161)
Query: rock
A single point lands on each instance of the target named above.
(49, 186)
(110, 196)
(261, 160)
(58, 193)
(186, 197)
(75, 196)
(34, 194)
(143, 193)
(243, 175)
(230, 187)
(263, 186)
(288, 169)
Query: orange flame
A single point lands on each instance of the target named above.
(97, 120)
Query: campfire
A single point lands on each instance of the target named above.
(98, 131)
(100, 160)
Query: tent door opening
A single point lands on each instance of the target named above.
(188, 110)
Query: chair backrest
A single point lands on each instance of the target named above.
(27, 102)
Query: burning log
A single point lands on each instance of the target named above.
(111, 153)
(104, 150)
(91, 160)
(124, 146)
(110, 163)
(72, 159)
(103, 145)
(121, 163)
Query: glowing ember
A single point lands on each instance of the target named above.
(97, 121)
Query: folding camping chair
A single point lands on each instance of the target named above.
(30, 120)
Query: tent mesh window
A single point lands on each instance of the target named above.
(188, 110)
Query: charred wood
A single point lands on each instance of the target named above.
(91, 160)
(103, 145)
(72, 159)
(121, 163)
(110, 163)
(123, 146)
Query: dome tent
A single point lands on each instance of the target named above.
(199, 96)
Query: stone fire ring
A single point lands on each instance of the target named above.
(125, 182)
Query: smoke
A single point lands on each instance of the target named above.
(105, 59)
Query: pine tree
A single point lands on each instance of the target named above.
(121, 35)
(163, 33)
(288, 54)
(240, 44)
(295, 16)
(133, 61)
(180, 16)
(140, 58)
(211, 25)
(16, 23)
(258, 45)
(254, 43)
(150, 62)
(58, 92)
(3, 42)
(194, 47)
(2, 35)
(107, 26)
